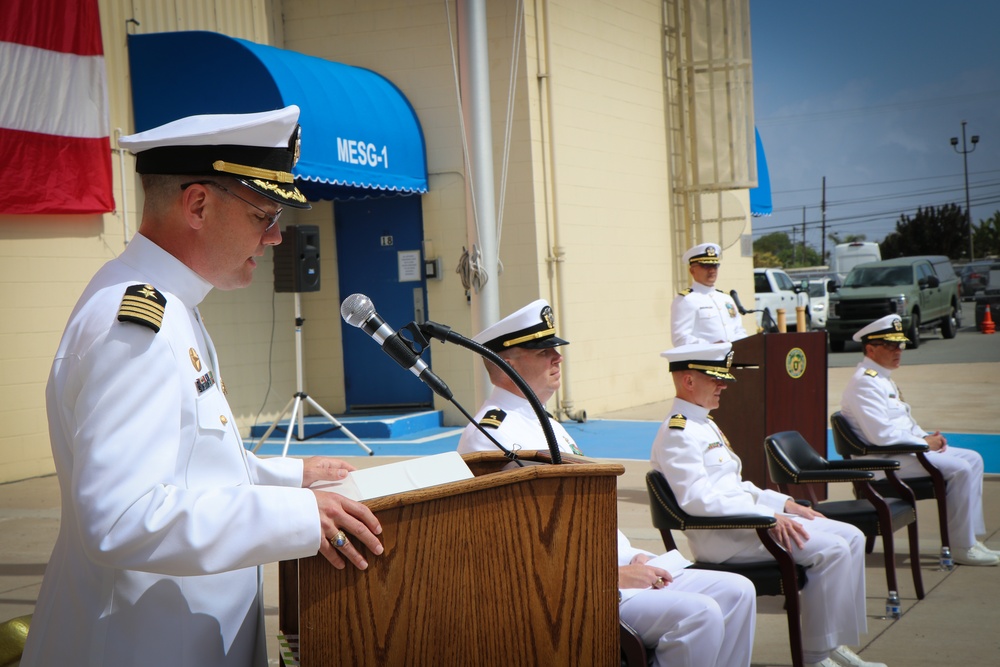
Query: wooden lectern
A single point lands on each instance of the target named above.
(513, 567)
(781, 385)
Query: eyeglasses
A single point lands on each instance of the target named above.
(272, 218)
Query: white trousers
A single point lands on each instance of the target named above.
(833, 599)
(963, 469)
(701, 619)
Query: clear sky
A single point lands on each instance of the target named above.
(868, 93)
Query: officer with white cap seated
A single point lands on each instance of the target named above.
(167, 519)
(873, 406)
(701, 313)
(704, 473)
(701, 619)
(526, 339)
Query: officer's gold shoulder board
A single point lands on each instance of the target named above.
(685, 292)
(493, 418)
(871, 372)
(677, 421)
(142, 304)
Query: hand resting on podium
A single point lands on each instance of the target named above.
(338, 514)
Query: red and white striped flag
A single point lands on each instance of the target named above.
(55, 155)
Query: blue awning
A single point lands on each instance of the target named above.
(360, 135)
(760, 196)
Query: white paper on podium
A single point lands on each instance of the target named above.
(409, 475)
(673, 562)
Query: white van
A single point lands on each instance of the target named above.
(848, 255)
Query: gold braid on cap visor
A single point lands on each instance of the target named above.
(253, 172)
(534, 336)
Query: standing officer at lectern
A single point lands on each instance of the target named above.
(701, 313)
(701, 619)
(166, 518)
(705, 475)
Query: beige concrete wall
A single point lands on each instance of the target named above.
(45, 261)
(610, 215)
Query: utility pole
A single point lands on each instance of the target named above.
(823, 224)
(965, 163)
(803, 235)
(793, 243)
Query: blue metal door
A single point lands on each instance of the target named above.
(379, 254)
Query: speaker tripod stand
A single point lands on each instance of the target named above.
(300, 397)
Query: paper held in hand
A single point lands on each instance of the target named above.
(409, 475)
(672, 561)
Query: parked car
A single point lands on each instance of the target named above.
(976, 278)
(773, 289)
(819, 301)
(923, 291)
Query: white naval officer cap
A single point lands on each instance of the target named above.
(712, 359)
(533, 327)
(888, 328)
(703, 253)
(258, 149)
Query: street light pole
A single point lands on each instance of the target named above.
(965, 163)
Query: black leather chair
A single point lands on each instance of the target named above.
(781, 576)
(849, 445)
(792, 461)
(634, 652)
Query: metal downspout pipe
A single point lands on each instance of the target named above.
(556, 253)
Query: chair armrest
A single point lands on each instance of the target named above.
(833, 475)
(865, 464)
(898, 448)
(735, 521)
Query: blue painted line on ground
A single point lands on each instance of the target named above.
(598, 438)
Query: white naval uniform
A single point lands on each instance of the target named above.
(701, 619)
(873, 407)
(166, 518)
(704, 314)
(519, 428)
(704, 474)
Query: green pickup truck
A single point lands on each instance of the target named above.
(923, 291)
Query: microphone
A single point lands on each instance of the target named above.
(358, 311)
(736, 300)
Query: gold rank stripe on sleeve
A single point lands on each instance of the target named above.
(143, 304)
(678, 422)
(493, 418)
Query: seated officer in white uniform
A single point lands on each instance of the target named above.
(700, 619)
(166, 518)
(704, 474)
(873, 406)
(701, 313)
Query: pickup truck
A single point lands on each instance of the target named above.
(773, 289)
(923, 291)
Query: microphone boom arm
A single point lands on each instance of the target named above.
(445, 335)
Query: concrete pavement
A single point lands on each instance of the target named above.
(955, 624)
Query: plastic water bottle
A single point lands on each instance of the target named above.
(892, 607)
(946, 561)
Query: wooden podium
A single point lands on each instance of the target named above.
(512, 567)
(781, 385)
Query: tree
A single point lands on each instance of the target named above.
(931, 231)
(848, 238)
(778, 246)
(986, 236)
(766, 260)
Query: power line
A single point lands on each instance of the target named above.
(878, 108)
